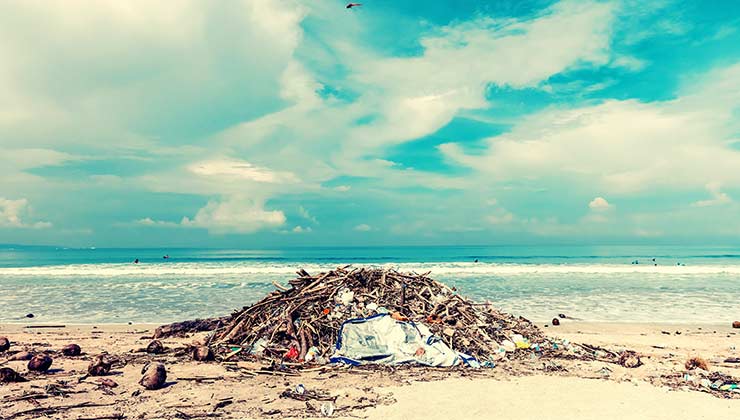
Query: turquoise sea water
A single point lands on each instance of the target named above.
(684, 284)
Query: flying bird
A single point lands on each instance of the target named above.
(351, 5)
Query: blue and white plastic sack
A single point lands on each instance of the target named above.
(383, 340)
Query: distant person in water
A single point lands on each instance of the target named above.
(166, 257)
(136, 261)
(476, 260)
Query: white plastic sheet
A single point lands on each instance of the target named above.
(383, 340)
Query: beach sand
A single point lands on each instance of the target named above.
(532, 389)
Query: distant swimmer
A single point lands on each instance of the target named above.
(476, 260)
(166, 257)
(136, 261)
(351, 5)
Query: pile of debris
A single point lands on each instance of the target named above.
(302, 322)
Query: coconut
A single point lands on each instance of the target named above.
(71, 350)
(9, 375)
(555, 322)
(40, 363)
(4, 344)
(736, 324)
(21, 355)
(99, 366)
(202, 353)
(154, 377)
(155, 347)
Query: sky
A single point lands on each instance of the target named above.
(271, 123)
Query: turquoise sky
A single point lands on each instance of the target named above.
(269, 123)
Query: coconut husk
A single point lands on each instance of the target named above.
(696, 363)
(71, 350)
(108, 383)
(155, 347)
(630, 359)
(99, 366)
(4, 344)
(40, 363)
(202, 353)
(21, 355)
(155, 376)
(9, 375)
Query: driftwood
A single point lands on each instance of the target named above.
(56, 409)
(291, 320)
(179, 329)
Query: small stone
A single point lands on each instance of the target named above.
(30, 315)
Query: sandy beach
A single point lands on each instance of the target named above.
(528, 389)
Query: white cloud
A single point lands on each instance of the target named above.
(148, 221)
(363, 228)
(414, 96)
(500, 219)
(599, 204)
(233, 168)
(623, 146)
(629, 62)
(235, 215)
(718, 197)
(12, 214)
(301, 229)
(342, 188)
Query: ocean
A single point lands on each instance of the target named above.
(593, 283)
